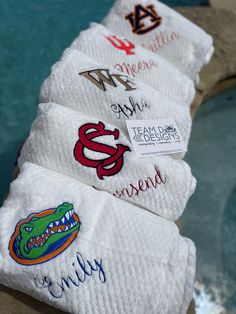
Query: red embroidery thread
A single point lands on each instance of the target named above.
(107, 166)
(133, 69)
(122, 44)
(160, 40)
(142, 185)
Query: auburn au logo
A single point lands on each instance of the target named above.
(143, 19)
(106, 166)
(122, 44)
(101, 76)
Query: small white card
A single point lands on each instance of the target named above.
(155, 137)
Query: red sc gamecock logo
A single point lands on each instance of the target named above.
(107, 166)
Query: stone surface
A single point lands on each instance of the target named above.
(226, 4)
(221, 24)
(14, 302)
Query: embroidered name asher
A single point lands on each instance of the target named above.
(134, 68)
(82, 270)
(129, 109)
(142, 185)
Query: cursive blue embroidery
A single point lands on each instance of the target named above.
(82, 270)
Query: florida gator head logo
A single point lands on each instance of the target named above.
(42, 236)
(143, 19)
(106, 166)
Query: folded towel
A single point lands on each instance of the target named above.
(84, 251)
(105, 47)
(163, 31)
(77, 81)
(100, 155)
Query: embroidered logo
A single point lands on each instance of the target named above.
(42, 236)
(101, 76)
(143, 13)
(122, 44)
(106, 166)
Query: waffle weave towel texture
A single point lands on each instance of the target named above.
(106, 47)
(100, 155)
(116, 258)
(79, 82)
(160, 29)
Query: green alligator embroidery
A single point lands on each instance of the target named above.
(44, 235)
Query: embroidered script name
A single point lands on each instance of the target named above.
(129, 109)
(82, 270)
(160, 40)
(142, 185)
(134, 68)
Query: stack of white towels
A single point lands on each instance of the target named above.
(89, 227)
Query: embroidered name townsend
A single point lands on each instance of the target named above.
(142, 185)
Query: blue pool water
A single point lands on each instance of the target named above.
(210, 216)
(33, 35)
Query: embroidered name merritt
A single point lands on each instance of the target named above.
(82, 270)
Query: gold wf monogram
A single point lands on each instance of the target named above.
(143, 19)
(101, 76)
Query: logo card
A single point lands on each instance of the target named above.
(155, 137)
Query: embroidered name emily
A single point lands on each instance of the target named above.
(142, 185)
(82, 270)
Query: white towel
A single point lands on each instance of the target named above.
(119, 53)
(78, 82)
(100, 155)
(163, 31)
(84, 251)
